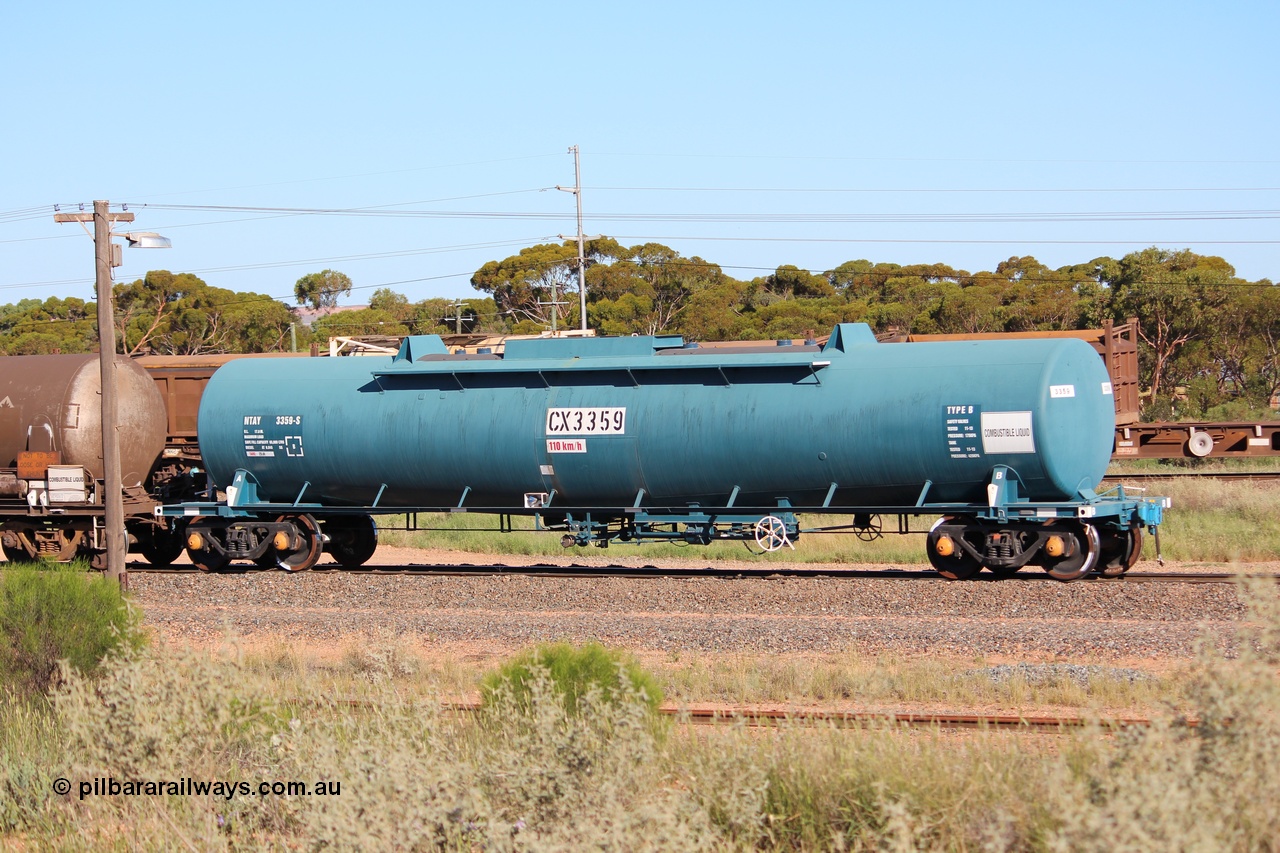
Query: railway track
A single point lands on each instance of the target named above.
(757, 717)
(773, 718)
(1191, 475)
(585, 572)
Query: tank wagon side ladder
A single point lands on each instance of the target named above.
(1069, 539)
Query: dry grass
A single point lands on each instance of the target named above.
(480, 534)
(534, 775)
(830, 680)
(1211, 521)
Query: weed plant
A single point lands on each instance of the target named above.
(480, 534)
(532, 773)
(1214, 786)
(890, 682)
(573, 672)
(1211, 521)
(52, 613)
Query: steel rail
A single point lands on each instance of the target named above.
(757, 717)
(652, 572)
(1192, 475)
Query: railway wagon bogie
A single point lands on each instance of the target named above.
(959, 548)
(34, 539)
(291, 541)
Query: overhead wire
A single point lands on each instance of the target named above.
(769, 218)
(846, 159)
(387, 210)
(930, 190)
(308, 261)
(935, 276)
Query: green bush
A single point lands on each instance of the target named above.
(573, 671)
(405, 774)
(31, 747)
(51, 613)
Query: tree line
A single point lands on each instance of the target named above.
(1209, 340)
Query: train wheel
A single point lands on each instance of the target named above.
(161, 547)
(946, 555)
(208, 561)
(352, 539)
(204, 554)
(1083, 558)
(308, 554)
(1120, 552)
(15, 552)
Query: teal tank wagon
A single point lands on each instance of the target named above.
(618, 439)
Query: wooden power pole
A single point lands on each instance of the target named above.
(112, 487)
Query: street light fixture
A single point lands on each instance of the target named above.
(146, 240)
(106, 256)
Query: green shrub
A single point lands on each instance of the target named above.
(51, 613)
(573, 672)
(31, 746)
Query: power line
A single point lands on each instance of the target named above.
(998, 160)
(938, 190)
(769, 218)
(310, 261)
(1000, 242)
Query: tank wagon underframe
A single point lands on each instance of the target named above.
(1069, 539)
(31, 530)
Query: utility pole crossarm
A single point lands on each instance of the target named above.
(88, 217)
(458, 305)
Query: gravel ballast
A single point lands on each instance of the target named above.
(1026, 620)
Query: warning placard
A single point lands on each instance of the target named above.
(1007, 432)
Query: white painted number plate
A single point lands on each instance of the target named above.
(592, 421)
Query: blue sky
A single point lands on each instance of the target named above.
(749, 134)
